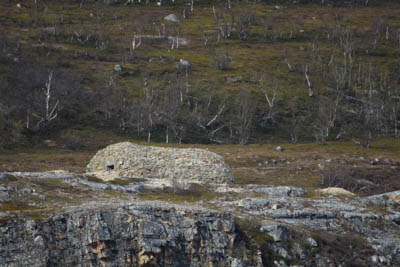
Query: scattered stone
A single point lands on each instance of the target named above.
(312, 242)
(275, 206)
(375, 258)
(56, 174)
(184, 63)
(39, 241)
(236, 263)
(234, 79)
(118, 68)
(282, 252)
(299, 251)
(335, 191)
(136, 161)
(375, 162)
(172, 18)
(277, 231)
(284, 191)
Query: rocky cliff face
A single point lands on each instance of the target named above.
(144, 234)
(62, 219)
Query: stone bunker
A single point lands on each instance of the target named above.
(136, 161)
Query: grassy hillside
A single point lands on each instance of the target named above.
(238, 56)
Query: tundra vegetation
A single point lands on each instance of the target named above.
(223, 72)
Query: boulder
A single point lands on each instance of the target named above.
(118, 68)
(184, 63)
(136, 161)
(172, 18)
(335, 191)
(3, 176)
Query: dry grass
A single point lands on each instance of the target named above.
(297, 165)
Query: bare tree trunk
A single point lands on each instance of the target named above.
(387, 32)
(205, 38)
(310, 89)
(28, 119)
(396, 123)
(50, 111)
(287, 61)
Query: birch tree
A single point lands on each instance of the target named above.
(50, 105)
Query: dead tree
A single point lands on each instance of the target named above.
(287, 60)
(242, 120)
(396, 120)
(325, 119)
(271, 96)
(210, 118)
(376, 35)
(294, 121)
(147, 112)
(225, 27)
(136, 42)
(309, 86)
(205, 38)
(50, 109)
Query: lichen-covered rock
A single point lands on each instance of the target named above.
(136, 161)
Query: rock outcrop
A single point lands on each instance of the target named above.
(126, 235)
(64, 219)
(136, 161)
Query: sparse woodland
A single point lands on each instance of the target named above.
(229, 72)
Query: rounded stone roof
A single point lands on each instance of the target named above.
(136, 161)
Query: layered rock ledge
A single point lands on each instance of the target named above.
(64, 219)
